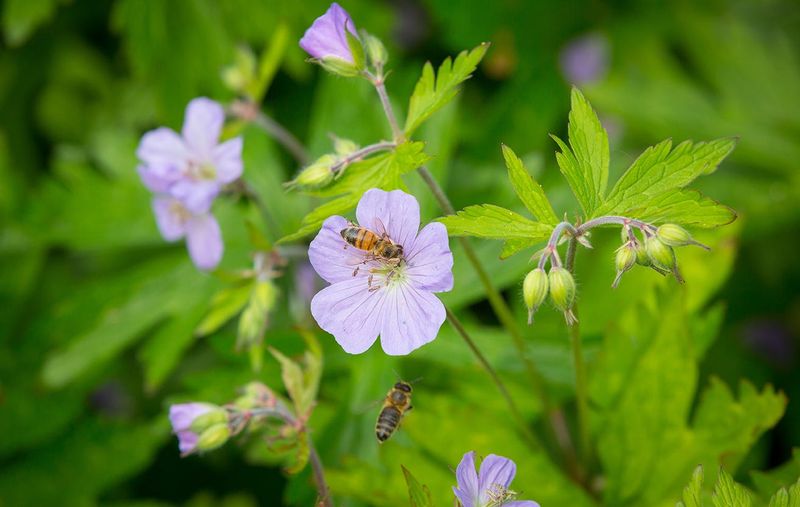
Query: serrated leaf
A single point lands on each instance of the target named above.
(490, 221)
(685, 207)
(528, 190)
(692, 491)
(660, 169)
(224, 306)
(382, 171)
(418, 494)
(512, 246)
(727, 493)
(432, 92)
(785, 498)
(301, 382)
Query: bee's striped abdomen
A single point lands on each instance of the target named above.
(388, 420)
(360, 237)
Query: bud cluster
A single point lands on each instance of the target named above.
(558, 284)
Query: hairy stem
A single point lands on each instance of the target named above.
(380, 86)
(512, 406)
(323, 490)
(361, 153)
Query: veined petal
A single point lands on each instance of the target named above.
(204, 239)
(411, 319)
(430, 261)
(350, 312)
(397, 211)
(521, 503)
(228, 160)
(332, 258)
(197, 196)
(162, 150)
(182, 415)
(496, 471)
(326, 36)
(467, 491)
(202, 125)
(171, 217)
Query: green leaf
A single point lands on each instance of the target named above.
(224, 306)
(301, 383)
(382, 171)
(685, 207)
(418, 495)
(490, 221)
(785, 498)
(512, 246)
(692, 492)
(22, 17)
(660, 169)
(727, 493)
(432, 92)
(528, 190)
(584, 163)
(270, 62)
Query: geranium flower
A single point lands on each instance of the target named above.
(192, 166)
(375, 299)
(490, 486)
(201, 230)
(191, 420)
(326, 37)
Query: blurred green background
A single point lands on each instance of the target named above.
(98, 313)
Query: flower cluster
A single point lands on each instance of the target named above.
(370, 295)
(488, 487)
(186, 172)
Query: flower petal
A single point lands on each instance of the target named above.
(197, 196)
(332, 258)
(350, 312)
(397, 211)
(326, 36)
(204, 239)
(467, 491)
(170, 217)
(202, 125)
(163, 152)
(187, 441)
(430, 261)
(411, 319)
(182, 415)
(521, 503)
(495, 471)
(228, 160)
(154, 182)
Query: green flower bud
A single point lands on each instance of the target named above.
(534, 291)
(215, 415)
(317, 175)
(376, 51)
(675, 235)
(213, 437)
(562, 288)
(239, 76)
(624, 260)
(641, 255)
(661, 255)
(339, 66)
(344, 147)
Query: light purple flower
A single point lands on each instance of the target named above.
(326, 37)
(192, 166)
(400, 307)
(181, 417)
(585, 59)
(489, 486)
(201, 230)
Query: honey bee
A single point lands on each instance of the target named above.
(396, 404)
(377, 245)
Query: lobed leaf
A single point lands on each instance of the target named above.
(419, 495)
(528, 190)
(783, 498)
(433, 91)
(692, 492)
(685, 207)
(727, 493)
(490, 221)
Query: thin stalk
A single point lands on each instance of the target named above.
(283, 136)
(380, 87)
(323, 490)
(512, 406)
(581, 387)
(361, 153)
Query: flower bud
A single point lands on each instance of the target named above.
(376, 51)
(339, 67)
(562, 291)
(661, 255)
(239, 76)
(641, 255)
(213, 437)
(675, 235)
(316, 175)
(344, 147)
(534, 291)
(190, 420)
(624, 260)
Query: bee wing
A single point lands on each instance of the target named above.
(368, 406)
(380, 229)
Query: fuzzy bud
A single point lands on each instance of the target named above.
(534, 291)
(675, 235)
(624, 260)
(213, 437)
(661, 255)
(316, 175)
(339, 67)
(562, 291)
(215, 415)
(344, 147)
(376, 51)
(240, 76)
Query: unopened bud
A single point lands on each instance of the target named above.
(376, 51)
(661, 255)
(315, 176)
(675, 235)
(215, 415)
(641, 255)
(240, 75)
(624, 260)
(213, 437)
(534, 291)
(562, 291)
(344, 146)
(339, 66)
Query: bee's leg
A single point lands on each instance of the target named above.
(355, 271)
(369, 281)
(410, 408)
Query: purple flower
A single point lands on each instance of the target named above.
(585, 60)
(326, 37)
(489, 486)
(193, 166)
(201, 230)
(367, 296)
(184, 420)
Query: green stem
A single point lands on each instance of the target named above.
(527, 434)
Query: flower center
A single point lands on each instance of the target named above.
(387, 274)
(202, 171)
(498, 495)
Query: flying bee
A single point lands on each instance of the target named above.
(377, 245)
(396, 404)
